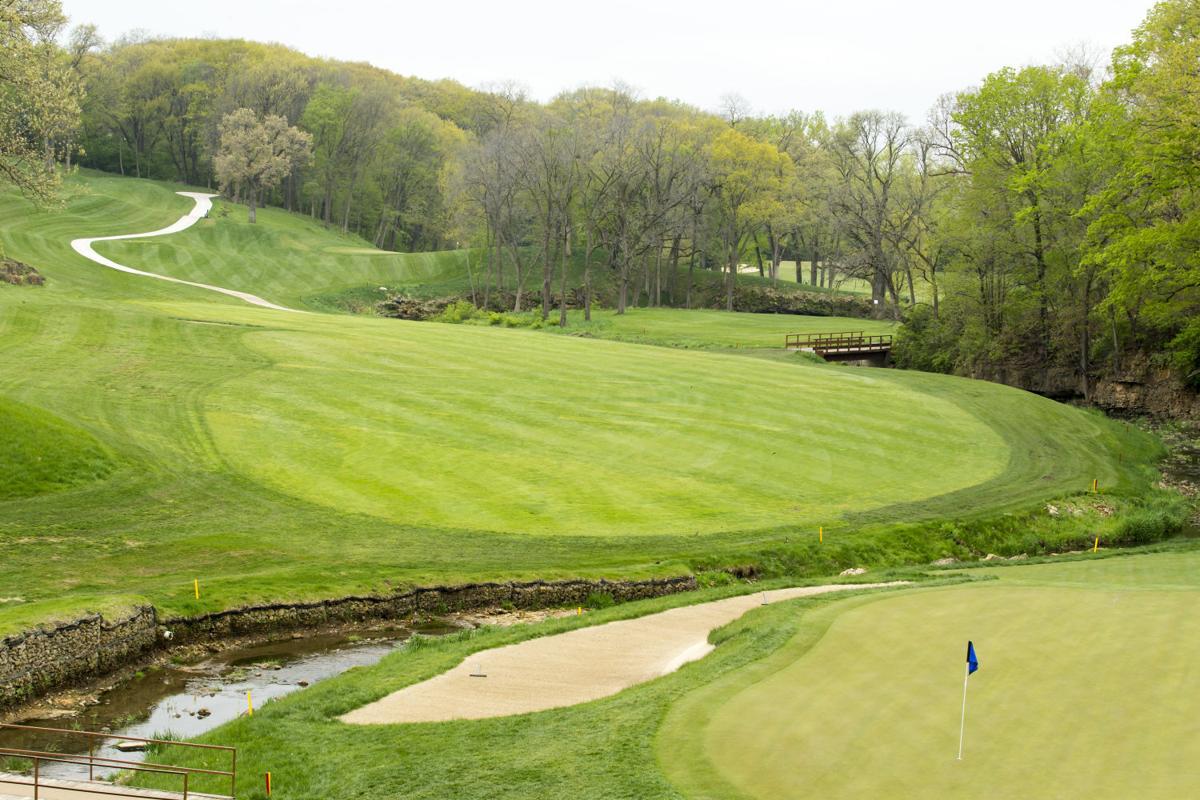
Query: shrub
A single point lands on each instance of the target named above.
(925, 342)
(1163, 516)
(1185, 354)
(457, 312)
(599, 600)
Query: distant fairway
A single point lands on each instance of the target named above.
(278, 456)
(704, 328)
(1083, 691)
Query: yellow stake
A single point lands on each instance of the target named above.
(196, 587)
(1096, 546)
(579, 611)
(821, 534)
(250, 703)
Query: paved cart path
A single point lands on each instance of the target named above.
(573, 667)
(203, 204)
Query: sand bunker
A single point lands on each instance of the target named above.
(573, 667)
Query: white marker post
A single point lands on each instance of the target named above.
(971, 666)
(962, 724)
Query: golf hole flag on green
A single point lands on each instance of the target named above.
(972, 665)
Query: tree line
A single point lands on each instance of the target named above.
(1044, 219)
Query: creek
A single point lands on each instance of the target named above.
(185, 700)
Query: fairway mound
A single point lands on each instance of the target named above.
(41, 453)
(573, 667)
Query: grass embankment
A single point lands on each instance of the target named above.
(296, 456)
(1082, 693)
(43, 454)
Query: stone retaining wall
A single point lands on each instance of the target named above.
(48, 658)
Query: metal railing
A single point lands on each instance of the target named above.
(93, 761)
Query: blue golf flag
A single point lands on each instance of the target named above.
(972, 661)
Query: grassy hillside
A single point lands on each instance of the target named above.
(277, 455)
(290, 260)
(40, 453)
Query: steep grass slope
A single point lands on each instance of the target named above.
(277, 455)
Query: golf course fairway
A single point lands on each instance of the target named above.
(277, 456)
(1076, 696)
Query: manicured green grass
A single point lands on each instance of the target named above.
(286, 258)
(787, 274)
(1082, 692)
(284, 456)
(702, 328)
(41, 454)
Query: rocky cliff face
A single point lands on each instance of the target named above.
(1147, 390)
(1139, 389)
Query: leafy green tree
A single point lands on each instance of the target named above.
(1146, 231)
(256, 155)
(748, 182)
(1010, 134)
(39, 96)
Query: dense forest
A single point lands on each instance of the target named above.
(1046, 218)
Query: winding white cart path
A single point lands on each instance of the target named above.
(573, 667)
(203, 204)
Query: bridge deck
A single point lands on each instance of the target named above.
(20, 787)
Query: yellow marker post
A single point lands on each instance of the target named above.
(1096, 546)
(821, 534)
(250, 703)
(268, 784)
(579, 611)
(1095, 485)
(196, 587)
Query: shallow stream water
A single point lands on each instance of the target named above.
(179, 701)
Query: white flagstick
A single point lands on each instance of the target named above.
(962, 725)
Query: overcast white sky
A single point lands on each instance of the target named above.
(834, 55)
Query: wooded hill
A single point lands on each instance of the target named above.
(1044, 220)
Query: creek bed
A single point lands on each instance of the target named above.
(182, 701)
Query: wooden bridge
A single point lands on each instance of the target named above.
(846, 346)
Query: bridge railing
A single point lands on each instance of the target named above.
(837, 342)
(93, 761)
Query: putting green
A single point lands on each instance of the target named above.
(1084, 691)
